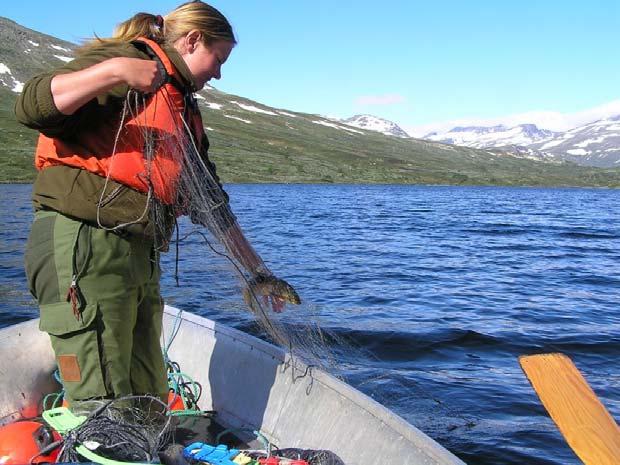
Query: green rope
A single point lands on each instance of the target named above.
(178, 380)
(58, 395)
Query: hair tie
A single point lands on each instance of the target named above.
(159, 21)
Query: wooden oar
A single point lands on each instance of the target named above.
(586, 425)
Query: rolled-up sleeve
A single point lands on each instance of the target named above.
(35, 107)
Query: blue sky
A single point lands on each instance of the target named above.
(416, 63)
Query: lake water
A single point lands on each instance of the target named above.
(441, 289)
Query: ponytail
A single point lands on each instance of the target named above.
(140, 25)
(193, 15)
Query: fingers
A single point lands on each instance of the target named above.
(160, 76)
(157, 82)
(143, 75)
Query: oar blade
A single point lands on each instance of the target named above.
(584, 422)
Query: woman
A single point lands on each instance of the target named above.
(115, 126)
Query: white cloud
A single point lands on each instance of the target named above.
(552, 120)
(387, 99)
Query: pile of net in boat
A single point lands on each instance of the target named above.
(182, 182)
(138, 429)
(128, 429)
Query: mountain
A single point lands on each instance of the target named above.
(495, 136)
(373, 123)
(594, 144)
(24, 53)
(253, 142)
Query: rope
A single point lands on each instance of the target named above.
(121, 430)
(58, 395)
(180, 383)
(126, 108)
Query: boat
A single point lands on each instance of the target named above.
(251, 384)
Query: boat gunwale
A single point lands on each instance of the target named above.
(419, 439)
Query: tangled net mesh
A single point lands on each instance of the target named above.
(128, 429)
(194, 190)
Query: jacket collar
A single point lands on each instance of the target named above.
(179, 64)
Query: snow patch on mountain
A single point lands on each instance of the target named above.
(597, 140)
(373, 123)
(253, 108)
(238, 119)
(494, 136)
(213, 105)
(9, 80)
(63, 49)
(336, 126)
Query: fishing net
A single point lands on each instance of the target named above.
(192, 189)
(181, 180)
(128, 429)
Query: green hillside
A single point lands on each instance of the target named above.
(297, 150)
(16, 143)
(255, 143)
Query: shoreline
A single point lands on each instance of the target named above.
(353, 183)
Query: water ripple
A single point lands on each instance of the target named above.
(435, 291)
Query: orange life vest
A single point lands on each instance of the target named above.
(126, 158)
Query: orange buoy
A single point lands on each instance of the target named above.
(22, 442)
(175, 402)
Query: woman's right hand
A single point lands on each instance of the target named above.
(72, 90)
(143, 75)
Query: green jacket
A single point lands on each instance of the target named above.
(78, 193)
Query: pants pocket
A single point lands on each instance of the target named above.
(77, 348)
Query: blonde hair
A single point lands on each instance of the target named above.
(166, 30)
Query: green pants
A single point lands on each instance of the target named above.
(107, 337)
